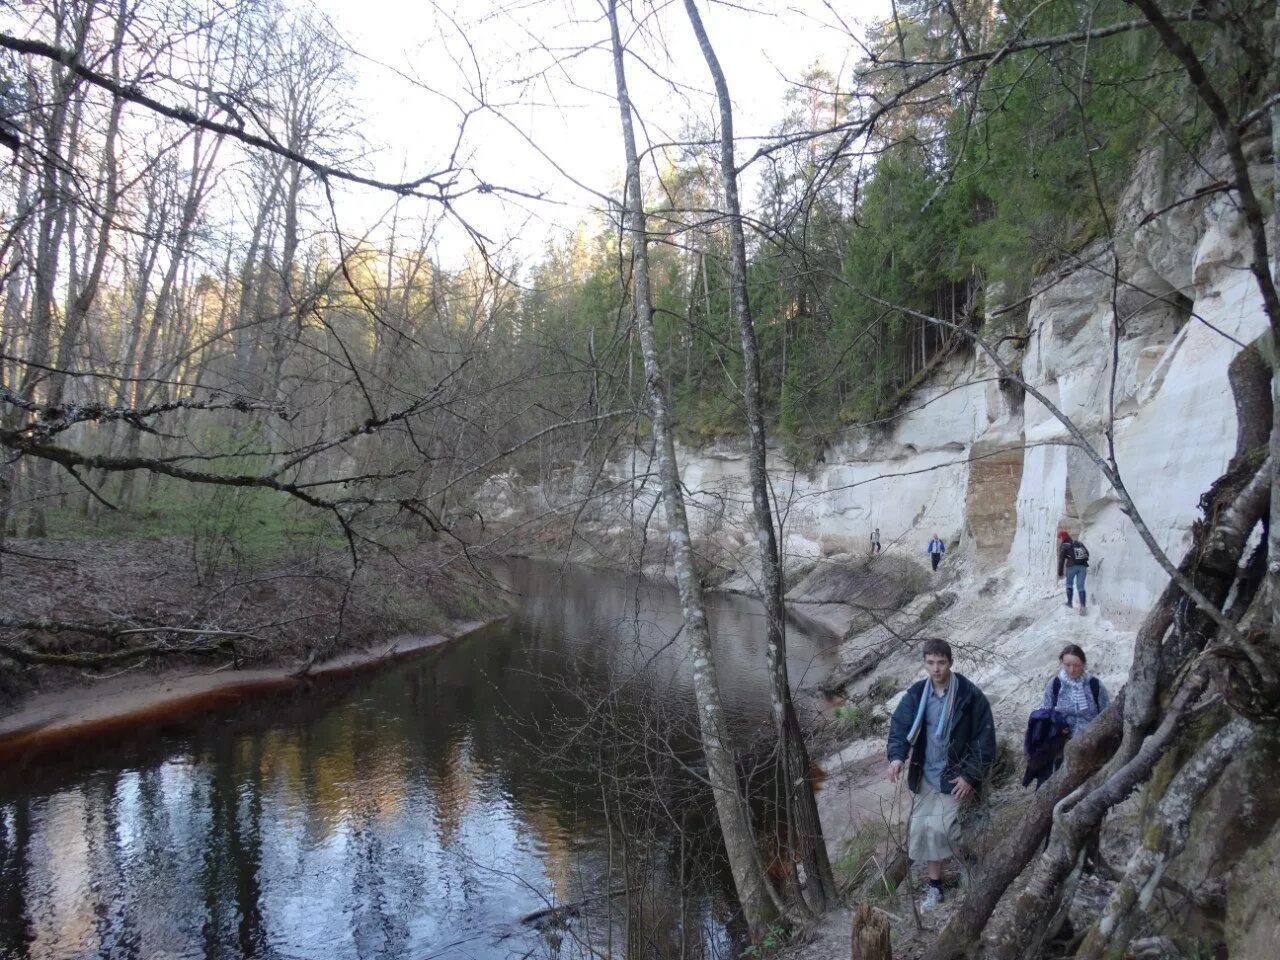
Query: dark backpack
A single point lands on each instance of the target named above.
(1042, 745)
(1095, 688)
(1079, 552)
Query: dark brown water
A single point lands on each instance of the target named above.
(419, 812)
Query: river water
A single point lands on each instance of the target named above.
(417, 812)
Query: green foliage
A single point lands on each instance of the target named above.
(859, 719)
(856, 721)
(882, 690)
(978, 180)
(857, 856)
(224, 524)
(959, 198)
(1056, 137)
(775, 938)
(709, 416)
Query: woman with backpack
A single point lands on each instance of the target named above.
(1072, 699)
(1073, 559)
(1074, 692)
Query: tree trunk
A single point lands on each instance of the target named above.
(82, 302)
(1273, 529)
(52, 226)
(803, 824)
(202, 167)
(1162, 840)
(871, 935)
(286, 302)
(754, 893)
(15, 307)
(245, 374)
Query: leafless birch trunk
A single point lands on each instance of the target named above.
(1273, 530)
(805, 828)
(754, 892)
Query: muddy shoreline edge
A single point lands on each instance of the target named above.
(48, 725)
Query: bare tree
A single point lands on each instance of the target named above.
(167, 328)
(805, 829)
(753, 889)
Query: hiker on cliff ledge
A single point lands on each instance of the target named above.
(1073, 561)
(936, 549)
(943, 733)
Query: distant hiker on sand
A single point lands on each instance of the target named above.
(936, 549)
(943, 733)
(1073, 560)
(875, 541)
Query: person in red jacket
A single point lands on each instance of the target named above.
(1073, 562)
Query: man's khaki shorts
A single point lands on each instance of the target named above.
(934, 831)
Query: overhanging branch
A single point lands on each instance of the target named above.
(441, 185)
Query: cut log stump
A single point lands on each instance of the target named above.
(871, 935)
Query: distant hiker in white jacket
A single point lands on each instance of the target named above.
(936, 549)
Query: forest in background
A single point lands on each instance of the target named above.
(181, 300)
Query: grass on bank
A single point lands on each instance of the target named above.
(204, 539)
(253, 524)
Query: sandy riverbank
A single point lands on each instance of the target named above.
(54, 723)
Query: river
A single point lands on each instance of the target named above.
(418, 812)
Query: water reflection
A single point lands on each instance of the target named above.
(421, 812)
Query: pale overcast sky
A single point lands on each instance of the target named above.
(527, 59)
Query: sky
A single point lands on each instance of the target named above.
(543, 70)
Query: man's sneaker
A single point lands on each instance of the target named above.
(932, 897)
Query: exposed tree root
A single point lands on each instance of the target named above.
(1019, 835)
(1163, 838)
(1016, 934)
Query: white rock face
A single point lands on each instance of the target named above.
(1171, 405)
(1187, 305)
(997, 474)
(908, 482)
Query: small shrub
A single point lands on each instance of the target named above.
(856, 720)
(1008, 762)
(856, 859)
(882, 690)
(775, 938)
(936, 606)
(883, 891)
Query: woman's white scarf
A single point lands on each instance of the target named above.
(1077, 693)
